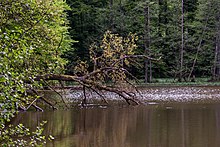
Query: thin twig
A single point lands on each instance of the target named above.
(31, 104)
(46, 101)
(99, 95)
(42, 98)
(84, 95)
(37, 107)
(51, 88)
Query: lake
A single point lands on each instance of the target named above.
(169, 123)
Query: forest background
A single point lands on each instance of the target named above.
(42, 40)
(185, 34)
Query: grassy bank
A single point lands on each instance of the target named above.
(172, 82)
(162, 82)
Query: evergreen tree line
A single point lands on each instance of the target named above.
(184, 33)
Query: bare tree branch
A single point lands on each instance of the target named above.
(51, 88)
(40, 97)
(108, 67)
(99, 95)
(31, 104)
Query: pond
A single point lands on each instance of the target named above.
(157, 124)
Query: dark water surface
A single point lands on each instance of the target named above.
(160, 125)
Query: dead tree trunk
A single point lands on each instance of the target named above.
(86, 82)
(216, 72)
(148, 69)
(201, 38)
(108, 66)
(182, 44)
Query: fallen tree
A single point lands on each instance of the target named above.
(109, 73)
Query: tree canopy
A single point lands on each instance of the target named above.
(167, 27)
(33, 36)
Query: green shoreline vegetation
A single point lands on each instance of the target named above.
(92, 42)
(155, 82)
(172, 82)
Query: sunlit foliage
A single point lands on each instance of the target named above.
(33, 35)
(110, 58)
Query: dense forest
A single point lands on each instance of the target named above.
(185, 34)
(99, 44)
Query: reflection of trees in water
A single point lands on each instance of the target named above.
(130, 127)
(185, 127)
(104, 128)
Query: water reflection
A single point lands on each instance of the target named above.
(179, 125)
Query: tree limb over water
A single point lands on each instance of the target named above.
(110, 73)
